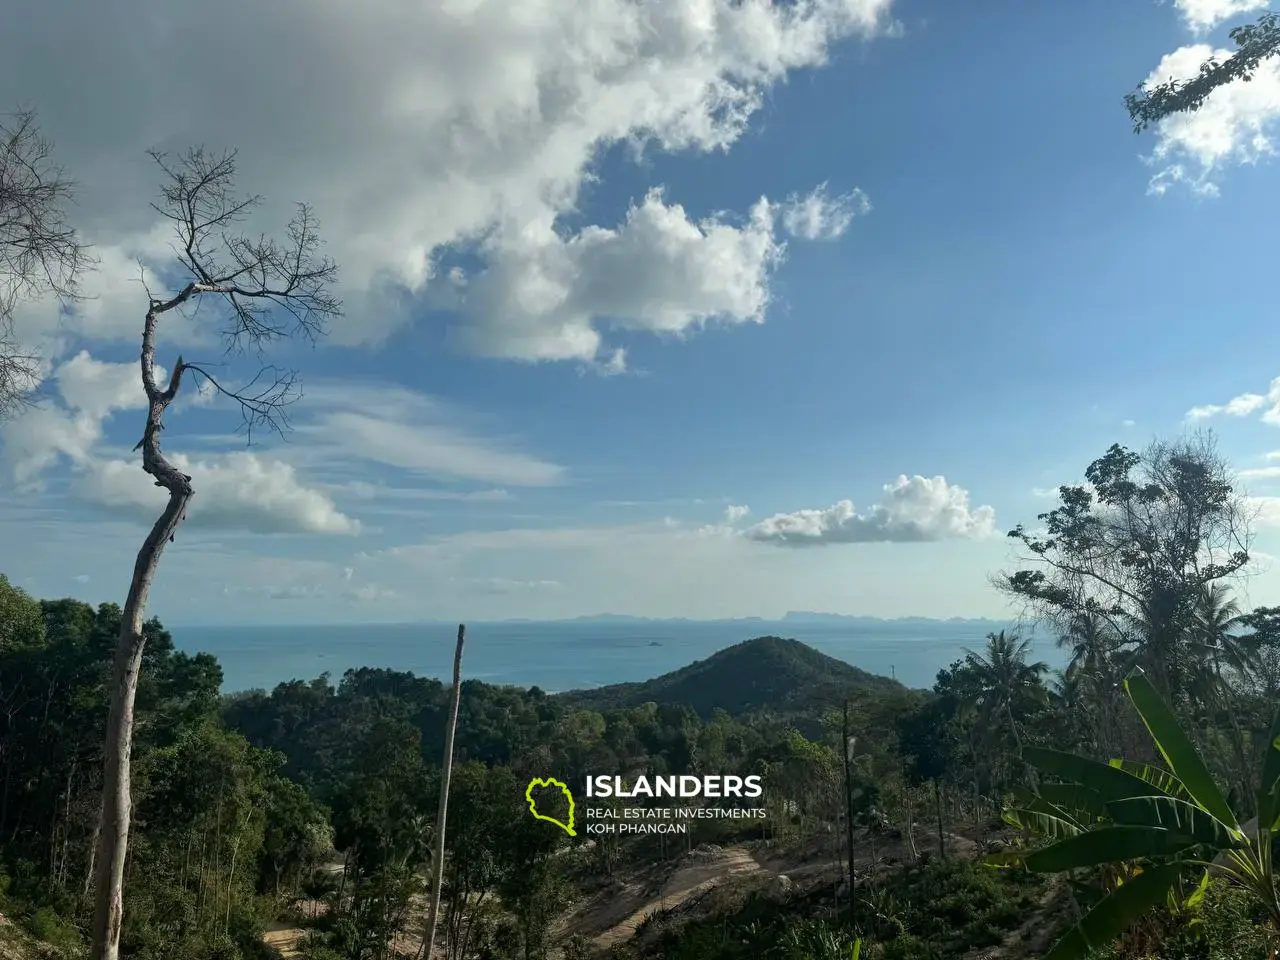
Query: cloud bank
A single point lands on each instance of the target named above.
(914, 509)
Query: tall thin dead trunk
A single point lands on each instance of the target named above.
(117, 801)
(437, 866)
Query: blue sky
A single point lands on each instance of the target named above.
(998, 280)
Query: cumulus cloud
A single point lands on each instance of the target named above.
(236, 491)
(240, 491)
(485, 120)
(542, 295)
(341, 425)
(1244, 405)
(913, 509)
(1233, 126)
(97, 389)
(733, 514)
(1202, 15)
(818, 216)
(91, 391)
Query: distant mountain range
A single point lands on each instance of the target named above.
(784, 677)
(791, 616)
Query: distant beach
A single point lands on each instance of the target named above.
(575, 654)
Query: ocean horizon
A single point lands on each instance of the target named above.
(577, 654)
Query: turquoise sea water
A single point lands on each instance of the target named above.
(570, 655)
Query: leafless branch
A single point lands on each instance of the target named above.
(40, 254)
(263, 401)
(273, 289)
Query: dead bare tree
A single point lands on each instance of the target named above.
(446, 773)
(39, 253)
(269, 290)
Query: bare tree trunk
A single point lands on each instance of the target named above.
(437, 869)
(937, 801)
(113, 841)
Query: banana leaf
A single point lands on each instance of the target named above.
(1043, 822)
(1082, 803)
(1116, 912)
(1178, 816)
(1107, 845)
(1155, 776)
(1269, 791)
(1178, 751)
(1110, 783)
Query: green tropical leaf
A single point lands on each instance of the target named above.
(1110, 783)
(1115, 913)
(1080, 801)
(1177, 749)
(1269, 792)
(1178, 816)
(1107, 845)
(1157, 777)
(1043, 822)
(1196, 898)
(1004, 859)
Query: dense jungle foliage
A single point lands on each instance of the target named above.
(313, 805)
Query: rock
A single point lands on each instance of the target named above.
(780, 888)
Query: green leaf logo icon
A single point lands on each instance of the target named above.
(533, 804)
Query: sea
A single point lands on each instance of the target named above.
(575, 654)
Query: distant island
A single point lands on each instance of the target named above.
(791, 616)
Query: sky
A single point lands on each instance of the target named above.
(700, 308)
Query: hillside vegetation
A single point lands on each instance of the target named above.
(767, 674)
(307, 814)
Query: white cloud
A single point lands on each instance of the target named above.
(236, 491)
(485, 120)
(913, 509)
(1244, 405)
(1260, 473)
(348, 424)
(542, 295)
(402, 428)
(1266, 511)
(1240, 406)
(1233, 126)
(733, 514)
(36, 439)
(97, 389)
(364, 490)
(437, 450)
(817, 216)
(1202, 15)
(370, 593)
(33, 441)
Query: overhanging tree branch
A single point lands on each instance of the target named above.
(40, 254)
(1256, 43)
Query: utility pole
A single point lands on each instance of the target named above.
(848, 804)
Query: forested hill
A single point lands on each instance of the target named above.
(767, 673)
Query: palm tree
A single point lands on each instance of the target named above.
(1217, 616)
(1091, 642)
(1091, 678)
(1004, 680)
